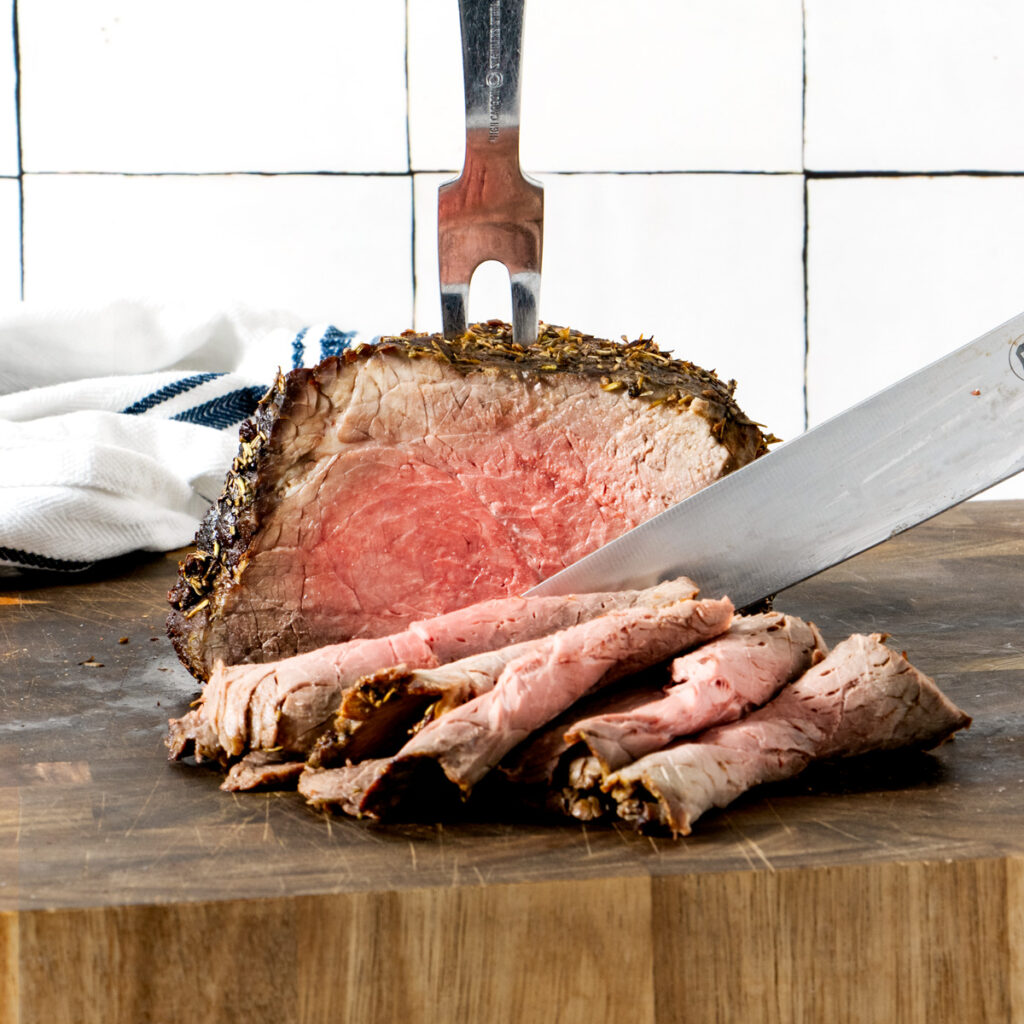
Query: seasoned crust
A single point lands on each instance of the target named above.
(637, 368)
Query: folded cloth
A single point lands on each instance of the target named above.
(118, 425)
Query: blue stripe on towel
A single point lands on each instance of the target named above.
(30, 560)
(334, 342)
(225, 410)
(179, 387)
(299, 349)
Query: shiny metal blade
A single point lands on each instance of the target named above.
(909, 452)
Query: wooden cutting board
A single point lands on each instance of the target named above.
(133, 890)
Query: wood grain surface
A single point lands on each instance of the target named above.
(885, 889)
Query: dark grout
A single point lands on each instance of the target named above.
(412, 183)
(806, 225)
(21, 167)
(965, 172)
(807, 305)
(807, 173)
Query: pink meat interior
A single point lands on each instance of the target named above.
(432, 490)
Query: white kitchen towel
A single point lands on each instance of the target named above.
(118, 425)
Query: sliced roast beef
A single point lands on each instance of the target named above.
(417, 475)
(535, 761)
(469, 740)
(863, 697)
(416, 789)
(263, 769)
(716, 683)
(377, 712)
(285, 703)
(288, 704)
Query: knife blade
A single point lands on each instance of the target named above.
(914, 449)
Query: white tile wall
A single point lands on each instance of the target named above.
(917, 85)
(9, 165)
(902, 271)
(132, 115)
(608, 86)
(213, 85)
(332, 248)
(10, 246)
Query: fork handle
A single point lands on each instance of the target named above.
(492, 34)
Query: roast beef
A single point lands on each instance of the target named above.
(263, 769)
(286, 705)
(377, 712)
(466, 742)
(539, 769)
(863, 697)
(716, 683)
(404, 479)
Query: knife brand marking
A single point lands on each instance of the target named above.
(1017, 357)
(494, 78)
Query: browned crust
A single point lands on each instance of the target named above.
(638, 367)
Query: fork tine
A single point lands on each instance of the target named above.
(525, 299)
(454, 304)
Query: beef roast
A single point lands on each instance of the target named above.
(377, 712)
(286, 705)
(716, 683)
(863, 697)
(532, 689)
(263, 769)
(416, 475)
(535, 761)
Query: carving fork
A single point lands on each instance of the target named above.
(492, 211)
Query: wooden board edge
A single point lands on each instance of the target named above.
(916, 942)
(9, 960)
(580, 951)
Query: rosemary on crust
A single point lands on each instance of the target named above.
(221, 539)
(639, 367)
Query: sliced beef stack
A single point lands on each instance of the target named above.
(863, 697)
(750, 700)
(466, 742)
(648, 707)
(417, 475)
(287, 705)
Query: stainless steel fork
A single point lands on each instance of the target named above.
(492, 211)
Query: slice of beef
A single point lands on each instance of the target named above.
(531, 690)
(392, 780)
(403, 479)
(283, 704)
(377, 713)
(263, 769)
(288, 704)
(341, 788)
(863, 697)
(716, 683)
(535, 762)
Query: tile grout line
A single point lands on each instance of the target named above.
(412, 180)
(806, 226)
(809, 174)
(21, 171)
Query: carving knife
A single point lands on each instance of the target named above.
(921, 446)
